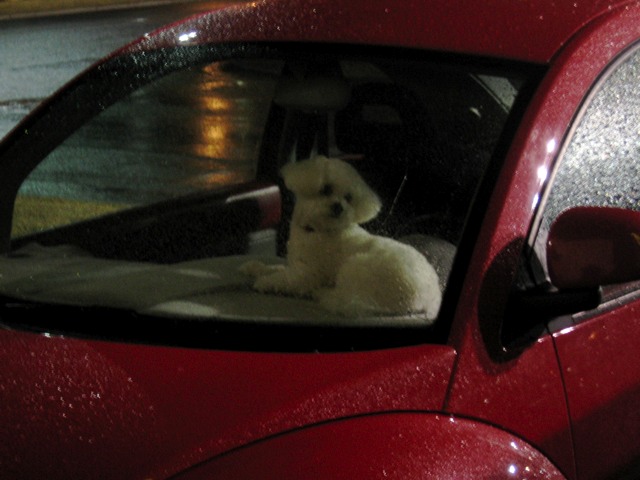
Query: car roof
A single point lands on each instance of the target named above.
(525, 30)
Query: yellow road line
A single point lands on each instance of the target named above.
(34, 214)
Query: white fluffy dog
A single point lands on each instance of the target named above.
(334, 260)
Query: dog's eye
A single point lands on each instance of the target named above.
(327, 190)
(348, 197)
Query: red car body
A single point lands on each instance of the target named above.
(566, 406)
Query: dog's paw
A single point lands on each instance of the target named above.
(256, 268)
(285, 281)
(268, 278)
(266, 284)
(253, 268)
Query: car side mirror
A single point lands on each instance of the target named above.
(587, 248)
(594, 246)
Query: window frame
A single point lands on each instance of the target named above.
(536, 272)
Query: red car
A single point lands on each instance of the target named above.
(503, 139)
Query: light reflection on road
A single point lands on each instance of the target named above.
(39, 54)
(194, 130)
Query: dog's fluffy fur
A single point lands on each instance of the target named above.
(334, 260)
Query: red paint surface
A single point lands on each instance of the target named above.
(397, 446)
(591, 246)
(86, 409)
(160, 410)
(525, 30)
(601, 370)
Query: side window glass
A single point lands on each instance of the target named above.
(601, 165)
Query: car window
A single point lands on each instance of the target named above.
(600, 165)
(196, 129)
(178, 193)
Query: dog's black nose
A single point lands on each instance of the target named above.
(336, 209)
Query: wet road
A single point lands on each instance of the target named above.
(38, 55)
(192, 131)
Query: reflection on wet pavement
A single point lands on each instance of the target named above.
(193, 130)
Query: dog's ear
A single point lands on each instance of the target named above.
(305, 176)
(367, 205)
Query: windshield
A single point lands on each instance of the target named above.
(268, 187)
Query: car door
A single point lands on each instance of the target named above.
(205, 381)
(598, 349)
